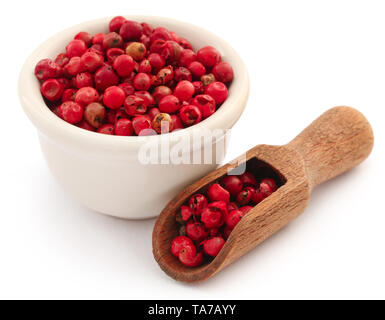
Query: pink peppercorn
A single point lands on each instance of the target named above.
(75, 48)
(84, 79)
(142, 82)
(131, 30)
(213, 246)
(217, 193)
(106, 129)
(205, 103)
(218, 91)
(190, 115)
(86, 95)
(169, 104)
(123, 127)
(71, 112)
(105, 77)
(223, 72)
(184, 90)
(113, 97)
(208, 56)
(116, 23)
(52, 89)
(197, 69)
(179, 243)
(85, 37)
(91, 60)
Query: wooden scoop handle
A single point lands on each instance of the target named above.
(337, 141)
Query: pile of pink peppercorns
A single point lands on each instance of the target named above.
(208, 219)
(134, 80)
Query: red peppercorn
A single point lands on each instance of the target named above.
(142, 82)
(74, 66)
(124, 65)
(91, 60)
(71, 112)
(245, 196)
(141, 123)
(213, 216)
(156, 61)
(248, 179)
(207, 79)
(232, 206)
(84, 79)
(197, 69)
(198, 202)
(177, 123)
(52, 89)
(94, 114)
(190, 258)
(85, 37)
(61, 59)
(116, 23)
(245, 209)
(205, 103)
(106, 129)
(258, 196)
(165, 75)
(47, 69)
(218, 91)
(185, 44)
(190, 115)
(179, 243)
(171, 51)
(169, 104)
(86, 95)
(186, 213)
(208, 56)
(162, 123)
(232, 184)
(147, 97)
(233, 218)
(131, 30)
(160, 33)
(75, 48)
(199, 89)
(265, 189)
(147, 29)
(68, 95)
(182, 73)
(223, 72)
(135, 106)
(196, 231)
(113, 97)
(187, 56)
(105, 77)
(213, 246)
(184, 90)
(127, 88)
(112, 40)
(145, 66)
(97, 48)
(123, 127)
(217, 193)
(153, 112)
(85, 125)
(271, 183)
(98, 38)
(160, 92)
(112, 54)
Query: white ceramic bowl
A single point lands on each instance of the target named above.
(103, 172)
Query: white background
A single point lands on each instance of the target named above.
(304, 57)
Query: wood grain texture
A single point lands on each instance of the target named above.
(337, 141)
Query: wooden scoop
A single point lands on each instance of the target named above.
(337, 141)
